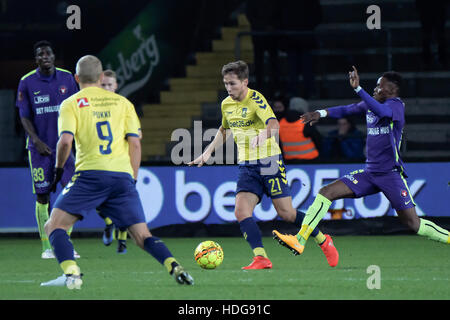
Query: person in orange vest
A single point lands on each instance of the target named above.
(299, 142)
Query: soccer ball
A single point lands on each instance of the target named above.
(208, 254)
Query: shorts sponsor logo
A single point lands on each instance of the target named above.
(42, 184)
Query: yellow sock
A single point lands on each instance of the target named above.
(168, 263)
(70, 267)
(259, 251)
(122, 235)
(320, 238)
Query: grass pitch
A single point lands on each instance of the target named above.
(411, 267)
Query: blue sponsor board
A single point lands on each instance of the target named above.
(179, 194)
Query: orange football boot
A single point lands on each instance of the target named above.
(289, 241)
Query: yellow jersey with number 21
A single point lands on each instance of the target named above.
(100, 122)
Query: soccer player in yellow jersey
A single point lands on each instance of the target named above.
(109, 82)
(108, 155)
(246, 113)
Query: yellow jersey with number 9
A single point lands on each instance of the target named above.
(100, 122)
(246, 119)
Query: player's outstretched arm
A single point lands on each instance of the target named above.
(313, 117)
(219, 139)
(372, 104)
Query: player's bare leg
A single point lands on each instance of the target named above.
(156, 247)
(423, 227)
(244, 206)
(286, 211)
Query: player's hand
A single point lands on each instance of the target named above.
(259, 139)
(354, 78)
(56, 178)
(42, 148)
(310, 117)
(201, 160)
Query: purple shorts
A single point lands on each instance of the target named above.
(392, 184)
(42, 171)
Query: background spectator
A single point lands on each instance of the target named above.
(345, 143)
(298, 141)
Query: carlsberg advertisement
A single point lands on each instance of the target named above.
(148, 49)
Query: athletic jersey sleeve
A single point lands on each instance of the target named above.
(67, 122)
(344, 111)
(398, 110)
(380, 109)
(263, 109)
(23, 101)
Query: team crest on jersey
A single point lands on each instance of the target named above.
(404, 193)
(244, 112)
(370, 118)
(82, 102)
(63, 89)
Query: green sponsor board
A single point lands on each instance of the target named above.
(144, 52)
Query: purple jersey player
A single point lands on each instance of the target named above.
(384, 170)
(39, 96)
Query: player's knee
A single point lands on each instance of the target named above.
(140, 238)
(327, 192)
(241, 214)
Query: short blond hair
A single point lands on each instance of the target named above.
(89, 68)
(109, 73)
